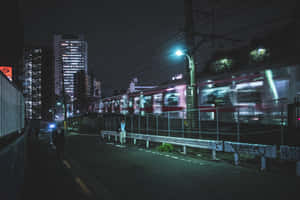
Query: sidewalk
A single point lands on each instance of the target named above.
(46, 177)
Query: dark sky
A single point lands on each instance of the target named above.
(135, 38)
(124, 37)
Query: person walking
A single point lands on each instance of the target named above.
(123, 132)
(59, 142)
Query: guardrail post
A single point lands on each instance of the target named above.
(298, 168)
(263, 163)
(156, 124)
(184, 150)
(147, 144)
(168, 123)
(134, 141)
(217, 118)
(214, 157)
(236, 158)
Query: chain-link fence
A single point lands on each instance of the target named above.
(240, 123)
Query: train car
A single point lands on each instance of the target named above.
(259, 95)
(157, 101)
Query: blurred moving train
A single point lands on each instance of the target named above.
(256, 95)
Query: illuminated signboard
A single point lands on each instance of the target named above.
(7, 71)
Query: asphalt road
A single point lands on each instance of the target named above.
(47, 178)
(130, 172)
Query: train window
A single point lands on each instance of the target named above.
(171, 99)
(147, 101)
(157, 98)
(249, 96)
(219, 96)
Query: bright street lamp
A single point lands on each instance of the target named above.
(179, 53)
(191, 66)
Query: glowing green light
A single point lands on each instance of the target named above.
(224, 61)
(259, 54)
(269, 76)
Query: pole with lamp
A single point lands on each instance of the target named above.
(191, 92)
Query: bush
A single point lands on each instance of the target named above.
(165, 147)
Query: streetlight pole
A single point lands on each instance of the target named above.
(191, 91)
(191, 97)
(192, 83)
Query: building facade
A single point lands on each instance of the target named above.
(87, 93)
(38, 85)
(70, 56)
(32, 86)
(94, 96)
(81, 92)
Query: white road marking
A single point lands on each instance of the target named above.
(120, 146)
(170, 156)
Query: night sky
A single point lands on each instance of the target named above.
(135, 38)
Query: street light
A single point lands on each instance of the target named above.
(191, 97)
(179, 53)
(191, 66)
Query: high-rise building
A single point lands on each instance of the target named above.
(94, 94)
(70, 56)
(33, 83)
(48, 96)
(81, 92)
(87, 93)
(38, 85)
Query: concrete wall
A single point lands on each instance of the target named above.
(11, 107)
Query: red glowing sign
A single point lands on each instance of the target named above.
(7, 71)
(299, 119)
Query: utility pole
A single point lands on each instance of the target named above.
(64, 99)
(191, 92)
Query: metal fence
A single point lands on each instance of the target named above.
(220, 123)
(11, 107)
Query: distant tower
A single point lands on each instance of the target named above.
(70, 56)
